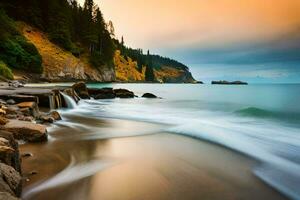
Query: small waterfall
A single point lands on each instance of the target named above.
(52, 102)
(69, 100)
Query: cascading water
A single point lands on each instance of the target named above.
(69, 101)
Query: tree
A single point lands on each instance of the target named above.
(149, 74)
(111, 29)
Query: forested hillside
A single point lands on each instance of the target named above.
(79, 30)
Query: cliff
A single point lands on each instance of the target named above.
(127, 71)
(60, 65)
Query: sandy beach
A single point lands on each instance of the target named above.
(160, 166)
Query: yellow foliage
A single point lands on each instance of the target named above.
(127, 70)
(167, 72)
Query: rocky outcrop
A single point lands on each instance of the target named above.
(149, 96)
(103, 93)
(167, 74)
(10, 168)
(81, 90)
(26, 131)
(228, 83)
(124, 93)
(62, 65)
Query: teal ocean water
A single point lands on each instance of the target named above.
(259, 121)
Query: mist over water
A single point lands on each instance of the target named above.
(260, 121)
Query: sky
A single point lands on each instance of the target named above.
(254, 40)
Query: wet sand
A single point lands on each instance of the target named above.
(159, 166)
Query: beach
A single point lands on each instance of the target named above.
(156, 166)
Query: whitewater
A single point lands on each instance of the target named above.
(260, 121)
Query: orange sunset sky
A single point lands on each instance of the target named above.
(169, 23)
(213, 35)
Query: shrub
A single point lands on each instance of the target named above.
(5, 71)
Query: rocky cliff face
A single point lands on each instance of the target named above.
(127, 71)
(61, 65)
(168, 74)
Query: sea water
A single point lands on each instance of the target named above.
(260, 121)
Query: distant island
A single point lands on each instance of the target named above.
(62, 41)
(228, 83)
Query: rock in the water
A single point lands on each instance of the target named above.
(81, 90)
(55, 115)
(10, 180)
(149, 95)
(228, 83)
(15, 84)
(50, 117)
(26, 155)
(103, 93)
(123, 93)
(47, 119)
(26, 131)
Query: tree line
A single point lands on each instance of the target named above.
(76, 28)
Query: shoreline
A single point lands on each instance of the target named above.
(36, 168)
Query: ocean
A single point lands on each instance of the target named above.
(260, 121)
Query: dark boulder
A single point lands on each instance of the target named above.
(103, 93)
(123, 93)
(81, 90)
(228, 83)
(149, 95)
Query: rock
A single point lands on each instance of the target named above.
(50, 117)
(27, 118)
(20, 98)
(9, 153)
(149, 95)
(2, 112)
(47, 119)
(228, 83)
(29, 108)
(10, 116)
(33, 173)
(7, 196)
(3, 120)
(81, 90)
(15, 84)
(2, 102)
(12, 109)
(55, 115)
(104, 93)
(123, 93)
(10, 180)
(26, 155)
(10, 102)
(26, 131)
